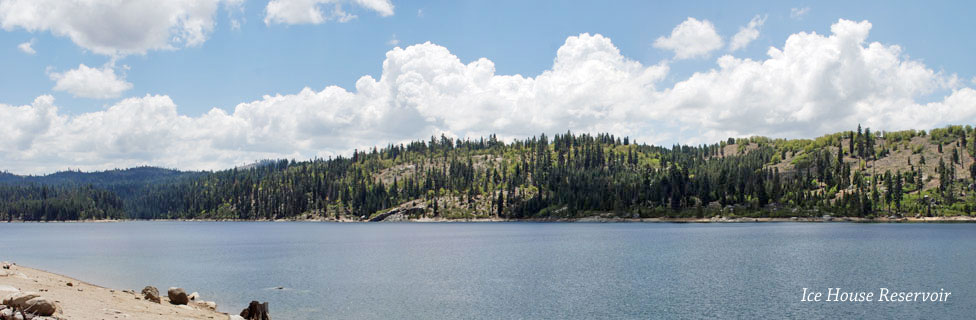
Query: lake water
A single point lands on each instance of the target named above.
(518, 270)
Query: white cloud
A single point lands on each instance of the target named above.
(818, 84)
(813, 84)
(22, 125)
(798, 13)
(115, 27)
(393, 41)
(311, 11)
(235, 13)
(27, 47)
(747, 33)
(691, 39)
(90, 82)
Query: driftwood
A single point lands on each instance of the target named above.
(256, 311)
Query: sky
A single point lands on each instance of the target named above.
(213, 84)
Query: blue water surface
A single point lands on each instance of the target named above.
(518, 270)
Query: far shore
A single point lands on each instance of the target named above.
(81, 300)
(590, 219)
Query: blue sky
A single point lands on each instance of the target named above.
(521, 37)
(232, 65)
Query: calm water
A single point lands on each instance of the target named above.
(517, 270)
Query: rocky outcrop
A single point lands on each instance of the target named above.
(177, 296)
(398, 214)
(151, 293)
(256, 311)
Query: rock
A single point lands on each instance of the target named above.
(41, 306)
(111, 311)
(71, 284)
(151, 294)
(235, 317)
(194, 296)
(8, 313)
(209, 305)
(177, 296)
(18, 299)
(256, 311)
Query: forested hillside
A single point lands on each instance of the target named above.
(855, 173)
(43, 203)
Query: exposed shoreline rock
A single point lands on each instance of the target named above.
(150, 293)
(177, 296)
(48, 297)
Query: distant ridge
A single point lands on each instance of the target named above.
(114, 176)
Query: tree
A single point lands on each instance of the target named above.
(898, 190)
(972, 172)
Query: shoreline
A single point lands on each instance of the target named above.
(82, 300)
(589, 219)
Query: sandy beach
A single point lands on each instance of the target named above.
(81, 300)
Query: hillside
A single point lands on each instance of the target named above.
(856, 173)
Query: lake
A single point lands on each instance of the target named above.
(517, 270)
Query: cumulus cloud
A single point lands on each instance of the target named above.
(311, 11)
(798, 13)
(818, 84)
(747, 34)
(27, 47)
(813, 84)
(115, 27)
(88, 82)
(691, 39)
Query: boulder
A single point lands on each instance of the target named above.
(18, 299)
(177, 296)
(194, 296)
(256, 311)
(41, 306)
(151, 294)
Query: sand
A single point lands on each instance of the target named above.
(87, 301)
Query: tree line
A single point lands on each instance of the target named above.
(852, 173)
